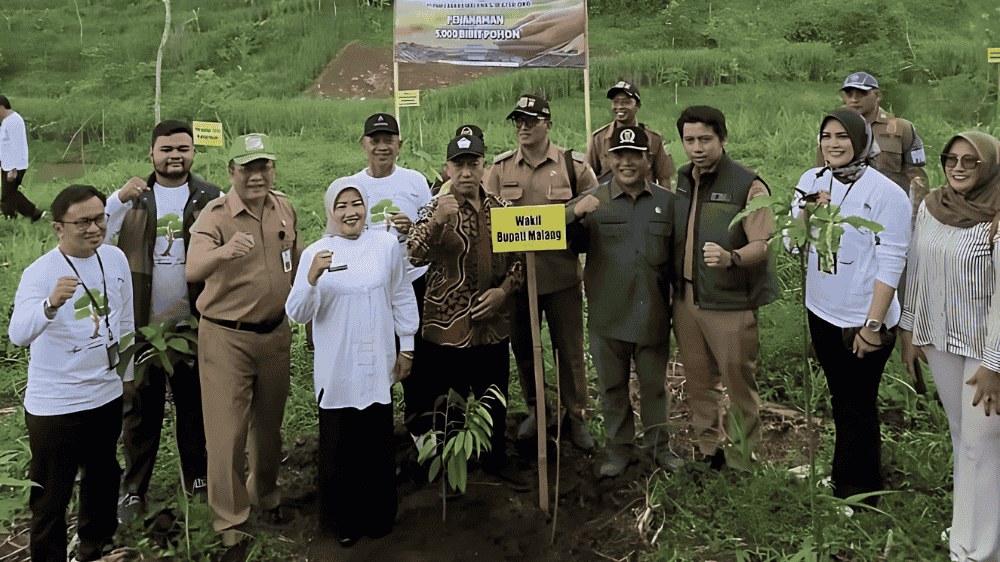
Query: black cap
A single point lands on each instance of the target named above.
(381, 123)
(627, 88)
(861, 81)
(629, 137)
(466, 144)
(533, 106)
(469, 130)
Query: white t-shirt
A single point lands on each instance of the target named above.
(408, 190)
(68, 369)
(13, 143)
(170, 298)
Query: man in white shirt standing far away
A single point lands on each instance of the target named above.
(72, 307)
(152, 219)
(408, 191)
(14, 163)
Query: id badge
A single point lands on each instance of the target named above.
(286, 260)
(112, 355)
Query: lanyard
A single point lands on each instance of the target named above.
(107, 308)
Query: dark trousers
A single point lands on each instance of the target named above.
(13, 201)
(416, 400)
(853, 382)
(611, 361)
(143, 421)
(61, 445)
(472, 368)
(357, 471)
(563, 312)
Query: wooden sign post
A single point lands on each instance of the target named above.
(208, 133)
(530, 229)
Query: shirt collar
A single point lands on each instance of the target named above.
(236, 205)
(616, 190)
(552, 153)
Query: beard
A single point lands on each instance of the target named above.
(164, 170)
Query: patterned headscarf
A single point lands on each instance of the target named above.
(982, 202)
(860, 133)
(334, 191)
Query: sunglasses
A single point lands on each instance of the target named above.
(968, 162)
(527, 122)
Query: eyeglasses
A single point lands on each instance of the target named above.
(527, 122)
(84, 224)
(968, 162)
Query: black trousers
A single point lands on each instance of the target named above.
(357, 471)
(415, 398)
(61, 445)
(471, 368)
(853, 382)
(13, 201)
(143, 422)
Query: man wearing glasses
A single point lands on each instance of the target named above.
(72, 306)
(541, 173)
(152, 220)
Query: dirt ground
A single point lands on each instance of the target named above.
(361, 71)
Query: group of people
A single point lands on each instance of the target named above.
(418, 296)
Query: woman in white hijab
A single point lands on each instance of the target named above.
(356, 294)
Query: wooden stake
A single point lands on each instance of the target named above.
(555, 507)
(536, 343)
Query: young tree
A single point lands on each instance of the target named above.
(94, 305)
(170, 226)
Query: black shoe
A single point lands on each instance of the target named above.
(612, 461)
(130, 508)
(667, 460)
(199, 489)
(38, 215)
(715, 461)
(580, 435)
(275, 517)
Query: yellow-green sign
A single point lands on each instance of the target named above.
(528, 229)
(993, 54)
(408, 98)
(207, 133)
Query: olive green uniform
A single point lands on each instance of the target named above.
(660, 172)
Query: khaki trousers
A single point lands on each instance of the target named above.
(244, 386)
(718, 349)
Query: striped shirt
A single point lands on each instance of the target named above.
(950, 285)
(13, 143)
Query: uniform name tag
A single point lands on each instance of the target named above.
(720, 197)
(286, 260)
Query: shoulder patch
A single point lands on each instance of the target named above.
(579, 156)
(504, 156)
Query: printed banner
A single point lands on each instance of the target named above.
(514, 33)
(207, 133)
(993, 55)
(408, 98)
(530, 228)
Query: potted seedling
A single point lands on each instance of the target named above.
(470, 433)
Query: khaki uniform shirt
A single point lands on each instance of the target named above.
(661, 170)
(516, 180)
(252, 288)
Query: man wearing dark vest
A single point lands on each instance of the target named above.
(726, 275)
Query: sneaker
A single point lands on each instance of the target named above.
(39, 216)
(199, 489)
(130, 508)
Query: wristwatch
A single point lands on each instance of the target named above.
(50, 311)
(873, 325)
(735, 259)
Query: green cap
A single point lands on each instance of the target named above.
(251, 147)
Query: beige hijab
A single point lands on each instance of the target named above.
(982, 202)
(334, 191)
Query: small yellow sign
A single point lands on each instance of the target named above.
(408, 98)
(207, 133)
(993, 54)
(528, 229)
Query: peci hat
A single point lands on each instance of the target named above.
(532, 106)
(469, 130)
(629, 137)
(627, 88)
(861, 81)
(251, 147)
(466, 144)
(381, 123)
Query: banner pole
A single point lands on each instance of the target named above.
(586, 69)
(536, 343)
(395, 87)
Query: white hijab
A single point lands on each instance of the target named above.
(330, 199)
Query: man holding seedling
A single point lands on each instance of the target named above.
(13, 164)
(443, 186)
(626, 229)
(245, 248)
(73, 306)
(724, 276)
(625, 104)
(467, 312)
(541, 173)
(152, 220)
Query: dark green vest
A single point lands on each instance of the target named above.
(721, 196)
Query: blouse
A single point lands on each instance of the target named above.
(355, 309)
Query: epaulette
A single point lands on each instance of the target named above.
(579, 156)
(604, 127)
(504, 156)
(218, 201)
(279, 194)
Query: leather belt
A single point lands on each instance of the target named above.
(260, 328)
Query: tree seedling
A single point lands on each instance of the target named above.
(94, 305)
(167, 347)
(382, 210)
(170, 226)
